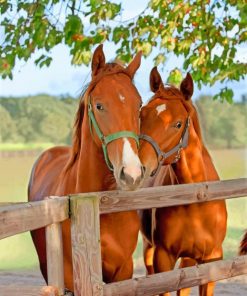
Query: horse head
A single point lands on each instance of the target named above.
(110, 111)
(165, 122)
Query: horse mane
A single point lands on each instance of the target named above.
(171, 92)
(194, 117)
(76, 138)
(109, 69)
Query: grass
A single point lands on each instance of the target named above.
(24, 146)
(18, 251)
(232, 164)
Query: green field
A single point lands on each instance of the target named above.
(24, 146)
(18, 252)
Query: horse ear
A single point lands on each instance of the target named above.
(155, 80)
(98, 60)
(134, 65)
(187, 86)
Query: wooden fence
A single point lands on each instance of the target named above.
(84, 211)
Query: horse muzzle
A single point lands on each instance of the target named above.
(131, 177)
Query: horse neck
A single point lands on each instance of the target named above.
(89, 172)
(195, 164)
(92, 173)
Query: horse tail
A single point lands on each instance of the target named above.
(146, 224)
(243, 245)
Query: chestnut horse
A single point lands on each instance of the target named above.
(103, 156)
(192, 232)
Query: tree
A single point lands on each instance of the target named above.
(7, 126)
(206, 33)
(37, 119)
(223, 124)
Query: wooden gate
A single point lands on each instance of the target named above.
(84, 211)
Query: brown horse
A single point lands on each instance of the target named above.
(108, 118)
(193, 232)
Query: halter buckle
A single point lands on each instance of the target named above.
(178, 156)
(188, 121)
(161, 157)
(103, 140)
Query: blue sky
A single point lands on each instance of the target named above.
(63, 78)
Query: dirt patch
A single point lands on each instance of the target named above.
(21, 277)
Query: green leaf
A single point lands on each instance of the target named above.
(175, 77)
(145, 47)
(120, 33)
(43, 60)
(73, 26)
(159, 59)
(225, 94)
(40, 34)
(51, 38)
(5, 5)
(82, 57)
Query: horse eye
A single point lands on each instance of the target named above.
(99, 107)
(178, 124)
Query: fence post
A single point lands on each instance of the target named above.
(54, 252)
(86, 252)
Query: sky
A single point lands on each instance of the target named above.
(62, 78)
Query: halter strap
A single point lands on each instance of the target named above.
(183, 143)
(105, 140)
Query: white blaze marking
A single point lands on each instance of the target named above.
(121, 97)
(131, 161)
(160, 108)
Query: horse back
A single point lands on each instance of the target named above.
(46, 171)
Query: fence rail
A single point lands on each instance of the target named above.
(23, 217)
(85, 210)
(166, 196)
(178, 278)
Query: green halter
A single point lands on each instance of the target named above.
(105, 140)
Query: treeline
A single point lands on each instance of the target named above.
(43, 119)
(223, 125)
(37, 119)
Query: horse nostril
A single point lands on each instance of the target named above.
(126, 178)
(132, 177)
(122, 175)
(143, 170)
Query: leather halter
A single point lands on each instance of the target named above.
(105, 140)
(161, 155)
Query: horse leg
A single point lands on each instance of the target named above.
(163, 261)
(67, 255)
(113, 273)
(148, 255)
(125, 271)
(186, 262)
(38, 237)
(208, 289)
